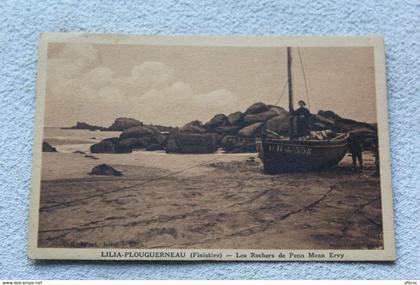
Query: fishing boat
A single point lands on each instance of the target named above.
(281, 154)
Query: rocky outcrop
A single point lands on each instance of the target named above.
(122, 124)
(139, 137)
(46, 147)
(179, 142)
(130, 144)
(227, 130)
(86, 126)
(105, 169)
(260, 117)
(335, 122)
(279, 124)
(104, 146)
(235, 118)
(193, 127)
(218, 120)
(142, 131)
(250, 131)
(257, 108)
(232, 132)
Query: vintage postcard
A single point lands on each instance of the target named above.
(211, 148)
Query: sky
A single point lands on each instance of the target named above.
(173, 85)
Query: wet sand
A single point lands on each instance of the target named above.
(163, 201)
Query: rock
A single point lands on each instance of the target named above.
(193, 127)
(279, 110)
(141, 131)
(279, 124)
(363, 132)
(250, 131)
(339, 124)
(91, 156)
(260, 117)
(139, 137)
(329, 115)
(318, 126)
(328, 123)
(217, 121)
(86, 126)
(105, 169)
(257, 108)
(130, 144)
(238, 144)
(227, 130)
(179, 142)
(46, 147)
(235, 118)
(122, 124)
(104, 146)
(147, 137)
(163, 129)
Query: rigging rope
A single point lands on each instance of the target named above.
(304, 78)
(282, 93)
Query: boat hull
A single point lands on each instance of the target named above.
(284, 155)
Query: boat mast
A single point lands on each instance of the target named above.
(289, 78)
(290, 83)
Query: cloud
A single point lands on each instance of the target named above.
(217, 99)
(150, 92)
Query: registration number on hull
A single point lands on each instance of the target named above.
(300, 150)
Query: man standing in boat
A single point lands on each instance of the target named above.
(302, 119)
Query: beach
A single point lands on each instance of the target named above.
(218, 200)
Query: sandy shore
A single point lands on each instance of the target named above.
(224, 202)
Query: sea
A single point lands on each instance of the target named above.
(71, 140)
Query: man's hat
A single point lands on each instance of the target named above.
(301, 102)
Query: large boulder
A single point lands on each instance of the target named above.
(279, 124)
(217, 121)
(140, 137)
(127, 145)
(327, 121)
(235, 118)
(130, 144)
(104, 146)
(363, 132)
(279, 110)
(179, 142)
(260, 117)
(339, 124)
(142, 131)
(250, 131)
(105, 169)
(122, 124)
(238, 144)
(193, 127)
(256, 108)
(329, 115)
(227, 130)
(46, 147)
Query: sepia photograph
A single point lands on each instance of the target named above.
(211, 148)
